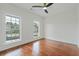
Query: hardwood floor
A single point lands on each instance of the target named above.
(43, 47)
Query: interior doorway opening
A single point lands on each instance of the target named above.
(36, 33)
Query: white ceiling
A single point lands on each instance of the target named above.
(53, 9)
(28, 6)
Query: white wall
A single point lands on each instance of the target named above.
(78, 25)
(61, 23)
(26, 23)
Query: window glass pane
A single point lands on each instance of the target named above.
(13, 20)
(17, 22)
(17, 19)
(8, 19)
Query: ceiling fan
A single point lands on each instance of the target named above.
(45, 5)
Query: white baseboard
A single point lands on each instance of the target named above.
(51, 38)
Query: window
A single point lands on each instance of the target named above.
(12, 28)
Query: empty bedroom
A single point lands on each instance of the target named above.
(39, 29)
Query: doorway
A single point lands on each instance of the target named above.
(36, 33)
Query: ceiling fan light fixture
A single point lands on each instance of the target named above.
(44, 8)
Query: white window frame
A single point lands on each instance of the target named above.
(16, 40)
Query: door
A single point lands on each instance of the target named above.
(36, 33)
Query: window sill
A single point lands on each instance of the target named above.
(12, 41)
